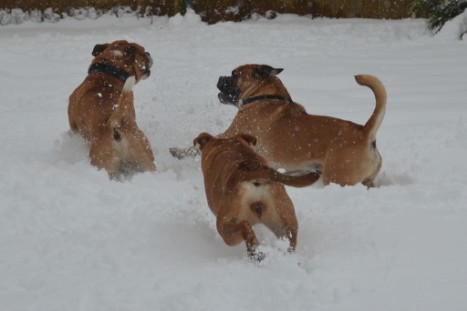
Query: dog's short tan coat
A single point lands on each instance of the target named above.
(290, 138)
(104, 114)
(242, 190)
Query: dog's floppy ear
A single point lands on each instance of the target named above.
(266, 71)
(202, 140)
(99, 48)
(250, 140)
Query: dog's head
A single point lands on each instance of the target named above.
(204, 138)
(131, 58)
(250, 80)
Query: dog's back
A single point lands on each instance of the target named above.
(122, 148)
(92, 103)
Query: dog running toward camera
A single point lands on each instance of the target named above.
(242, 190)
(101, 109)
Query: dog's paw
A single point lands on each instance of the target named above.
(290, 250)
(176, 153)
(256, 256)
(180, 153)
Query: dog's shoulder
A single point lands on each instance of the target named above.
(295, 109)
(285, 109)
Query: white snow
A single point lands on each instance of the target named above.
(71, 239)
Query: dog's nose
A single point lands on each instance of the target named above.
(150, 61)
(223, 83)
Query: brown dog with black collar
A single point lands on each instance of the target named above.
(242, 190)
(101, 109)
(290, 138)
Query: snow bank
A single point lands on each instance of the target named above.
(455, 28)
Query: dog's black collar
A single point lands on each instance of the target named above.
(109, 70)
(249, 100)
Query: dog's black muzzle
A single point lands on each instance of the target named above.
(150, 62)
(229, 90)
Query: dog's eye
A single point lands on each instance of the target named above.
(235, 74)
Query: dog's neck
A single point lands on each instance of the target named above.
(273, 86)
(249, 100)
(108, 70)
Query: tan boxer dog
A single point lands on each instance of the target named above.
(101, 109)
(242, 190)
(290, 138)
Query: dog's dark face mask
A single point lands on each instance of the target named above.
(149, 63)
(230, 92)
(129, 57)
(242, 78)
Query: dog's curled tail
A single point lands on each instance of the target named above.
(294, 181)
(121, 108)
(374, 122)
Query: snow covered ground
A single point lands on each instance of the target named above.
(71, 239)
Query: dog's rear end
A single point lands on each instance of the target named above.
(123, 148)
(242, 191)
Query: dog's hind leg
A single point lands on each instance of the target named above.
(234, 231)
(281, 219)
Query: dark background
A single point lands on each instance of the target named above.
(213, 11)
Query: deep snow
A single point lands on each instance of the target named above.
(71, 239)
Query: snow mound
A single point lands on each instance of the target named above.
(454, 29)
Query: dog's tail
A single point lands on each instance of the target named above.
(122, 108)
(294, 181)
(260, 173)
(374, 122)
